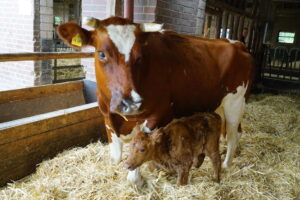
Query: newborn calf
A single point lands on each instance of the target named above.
(179, 145)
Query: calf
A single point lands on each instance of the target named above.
(179, 145)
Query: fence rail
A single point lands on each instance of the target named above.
(44, 56)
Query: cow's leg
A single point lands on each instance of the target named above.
(234, 105)
(115, 148)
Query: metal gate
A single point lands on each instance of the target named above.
(281, 68)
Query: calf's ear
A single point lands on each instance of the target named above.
(157, 136)
(75, 36)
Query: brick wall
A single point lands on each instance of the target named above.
(144, 10)
(181, 16)
(16, 35)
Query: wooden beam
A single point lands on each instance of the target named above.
(223, 5)
(44, 56)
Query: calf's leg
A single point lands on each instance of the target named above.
(183, 175)
(199, 160)
(216, 161)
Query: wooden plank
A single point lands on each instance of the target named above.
(44, 56)
(26, 127)
(26, 108)
(39, 91)
(30, 151)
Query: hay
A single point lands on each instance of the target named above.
(267, 166)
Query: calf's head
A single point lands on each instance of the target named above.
(117, 53)
(141, 150)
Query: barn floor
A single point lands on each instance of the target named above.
(267, 166)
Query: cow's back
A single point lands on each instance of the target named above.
(194, 74)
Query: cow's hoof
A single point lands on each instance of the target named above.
(225, 165)
(135, 178)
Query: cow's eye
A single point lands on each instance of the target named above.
(101, 56)
(142, 150)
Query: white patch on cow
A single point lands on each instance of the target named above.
(134, 177)
(151, 27)
(123, 38)
(135, 96)
(233, 41)
(234, 105)
(145, 128)
(115, 148)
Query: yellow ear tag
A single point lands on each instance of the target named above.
(76, 40)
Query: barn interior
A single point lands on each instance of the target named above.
(40, 162)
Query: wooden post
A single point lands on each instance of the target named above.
(240, 28)
(230, 24)
(128, 9)
(218, 26)
(224, 23)
(207, 24)
(235, 27)
(249, 36)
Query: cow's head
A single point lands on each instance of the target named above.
(116, 57)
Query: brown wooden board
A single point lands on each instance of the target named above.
(24, 144)
(39, 91)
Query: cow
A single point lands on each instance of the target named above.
(179, 145)
(149, 75)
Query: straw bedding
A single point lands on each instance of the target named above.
(266, 166)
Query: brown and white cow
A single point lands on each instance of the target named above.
(146, 74)
(179, 145)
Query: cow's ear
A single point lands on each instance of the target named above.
(75, 36)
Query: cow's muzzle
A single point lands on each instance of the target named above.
(129, 105)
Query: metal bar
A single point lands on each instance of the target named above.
(44, 56)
